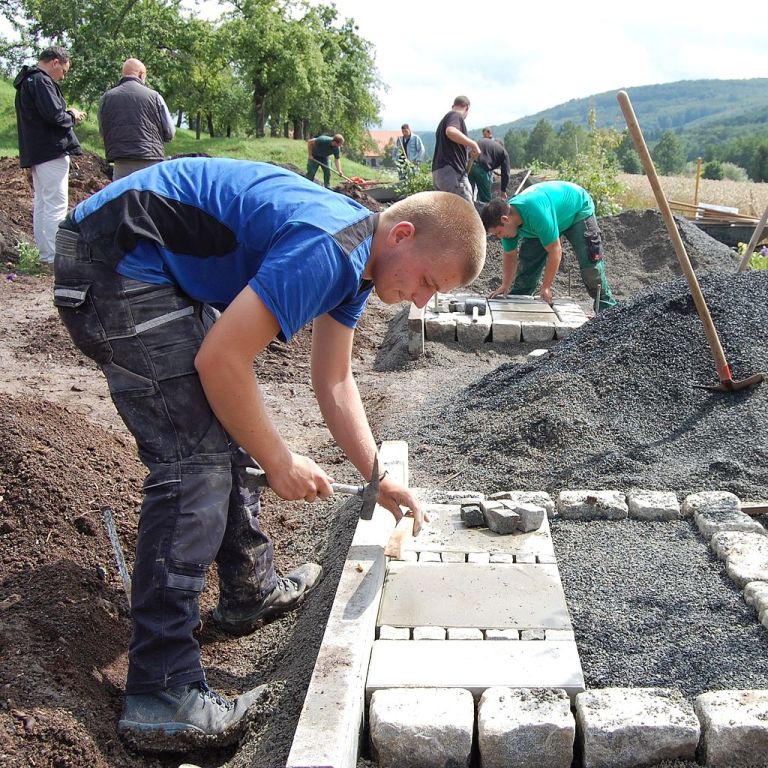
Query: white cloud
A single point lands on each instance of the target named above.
(514, 61)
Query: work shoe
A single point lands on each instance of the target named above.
(288, 594)
(189, 716)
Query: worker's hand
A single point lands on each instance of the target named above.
(393, 495)
(474, 150)
(78, 115)
(546, 294)
(500, 291)
(299, 478)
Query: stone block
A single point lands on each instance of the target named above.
(710, 500)
(415, 331)
(527, 558)
(622, 727)
(534, 353)
(532, 634)
(502, 520)
(502, 557)
(502, 634)
(592, 505)
(540, 498)
(388, 632)
(745, 555)
(523, 728)
(479, 558)
(421, 728)
(531, 516)
(454, 557)
(536, 331)
(734, 727)
(546, 559)
(429, 633)
(566, 327)
(472, 331)
(560, 634)
(472, 516)
(506, 331)
(439, 327)
(756, 595)
(465, 633)
(430, 557)
(653, 505)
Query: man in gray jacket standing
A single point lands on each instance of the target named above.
(134, 122)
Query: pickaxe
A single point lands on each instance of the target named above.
(369, 492)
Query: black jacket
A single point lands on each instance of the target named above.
(132, 122)
(492, 156)
(44, 125)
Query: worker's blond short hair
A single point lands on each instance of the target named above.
(338, 138)
(446, 226)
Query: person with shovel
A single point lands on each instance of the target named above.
(538, 217)
(173, 280)
(408, 151)
(319, 151)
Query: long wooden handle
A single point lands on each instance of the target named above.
(723, 371)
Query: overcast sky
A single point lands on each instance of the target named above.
(515, 58)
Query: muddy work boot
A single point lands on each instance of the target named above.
(287, 595)
(187, 717)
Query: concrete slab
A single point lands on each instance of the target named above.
(530, 316)
(447, 595)
(446, 532)
(475, 665)
(512, 303)
(440, 327)
(471, 332)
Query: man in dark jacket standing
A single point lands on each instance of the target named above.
(46, 140)
(134, 122)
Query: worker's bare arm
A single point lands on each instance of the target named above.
(554, 256)
(225, 364)
(341, 406)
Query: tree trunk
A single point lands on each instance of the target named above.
(209, 118)
(274, 129)
(179, 118)
(286, 130)
(198, 123)
(229, 131)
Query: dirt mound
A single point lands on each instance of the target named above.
(88, 173)
(638, 253)
(616, 405)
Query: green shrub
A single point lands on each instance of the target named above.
(416, 178)
(29, 259)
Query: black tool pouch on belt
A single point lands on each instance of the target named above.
(593, 240)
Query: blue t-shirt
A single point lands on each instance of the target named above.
(212, 226)
(547, 209)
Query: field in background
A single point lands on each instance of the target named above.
(751, 199)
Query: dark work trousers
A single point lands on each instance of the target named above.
(585, 238)
(196, 505)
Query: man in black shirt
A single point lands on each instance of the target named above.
(453, 150)
(493, 155)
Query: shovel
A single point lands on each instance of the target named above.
(727, 384)
(369, 492)
(346, 178)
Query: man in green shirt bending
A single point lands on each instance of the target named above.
(539, 216)
(319, 152)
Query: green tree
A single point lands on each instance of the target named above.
(758, 169)
(712, 170)
(515, 142)
(626, 155)
(668, 154)
(572, 139)
(542, 145)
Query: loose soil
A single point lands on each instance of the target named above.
(65, 455)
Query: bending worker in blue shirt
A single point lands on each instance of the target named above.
(538, 216)
(142, 269)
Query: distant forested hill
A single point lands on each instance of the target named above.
(699, 111)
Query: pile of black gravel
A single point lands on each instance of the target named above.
(617, 404)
